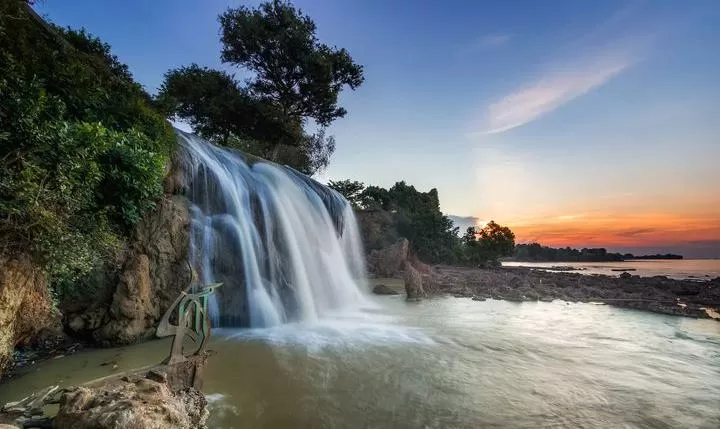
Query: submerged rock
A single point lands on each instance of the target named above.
(384, 290)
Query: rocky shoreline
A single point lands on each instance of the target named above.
(657, 294)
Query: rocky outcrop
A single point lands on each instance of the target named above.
(389, 261)
(146, 403)
(166, 396)
(657, 294)
(413, 283)
(152, 272)
(156, 270)
(384, 290)
(26, 307)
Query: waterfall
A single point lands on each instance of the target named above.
(285, 247)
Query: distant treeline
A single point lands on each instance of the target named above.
(538, 253)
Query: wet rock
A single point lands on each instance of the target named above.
(390, 260)
(26, 308)
(143, 404)
(413, 283)
(625, 275)
(384, 290)
(157, 375)
(154, 272)
(657, 294)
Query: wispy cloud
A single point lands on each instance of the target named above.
(492, 41)
(552, 90)
(584, 64)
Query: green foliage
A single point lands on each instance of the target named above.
(416, 216)
(82, 153)
(292, 69)
(351, 190)
(536, 252)
(486, 245)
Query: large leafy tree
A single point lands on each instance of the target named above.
(293, 71)
(488, 244)
(350, 189)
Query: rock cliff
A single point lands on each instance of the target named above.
(25, 305)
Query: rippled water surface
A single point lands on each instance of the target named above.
(455, 363)
(680, 269)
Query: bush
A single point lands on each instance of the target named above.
(82, 152)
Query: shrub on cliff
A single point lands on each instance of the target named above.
(414, 215)
(81, 152)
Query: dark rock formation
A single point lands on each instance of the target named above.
(658, 294)
(413, 283)
(384, 290)
(25, 305)
(142, 404)
(152, 272)
(166, 396)
(389, 261)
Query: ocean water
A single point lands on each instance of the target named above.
(694, 269)
(448, 363)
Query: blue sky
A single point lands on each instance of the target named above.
(549, 116)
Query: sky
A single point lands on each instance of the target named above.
(576, 123)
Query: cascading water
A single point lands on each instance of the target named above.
(285, 247)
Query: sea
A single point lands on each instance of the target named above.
(679, 269)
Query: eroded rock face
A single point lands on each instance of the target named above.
(389, 261)
(145, 404)
(413, 283)
(384, 290)
(155, 271)
(25, 305)
(132, 293)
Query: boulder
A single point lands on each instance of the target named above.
(144, 403)
(26, 308)
(413, 283)
(384, 290)
(389, 261)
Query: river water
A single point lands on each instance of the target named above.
(448, 363)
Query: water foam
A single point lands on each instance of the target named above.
(286, 248)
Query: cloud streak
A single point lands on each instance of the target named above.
(493, 41)
(584, 64)
(551, 91)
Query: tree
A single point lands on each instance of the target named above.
(351, 190)
(294, 72)
(487, 244)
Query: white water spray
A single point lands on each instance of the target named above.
(286, 247)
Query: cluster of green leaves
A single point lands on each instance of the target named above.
(295, 79)
(416, 216)
(485, 245)
(82, 153)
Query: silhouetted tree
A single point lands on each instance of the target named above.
(351, 190)
(294, 72)
(488, 244)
